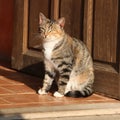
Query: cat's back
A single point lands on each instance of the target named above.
(82, 55)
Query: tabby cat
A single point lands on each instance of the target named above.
(67, 56)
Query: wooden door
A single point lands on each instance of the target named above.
(96, 22)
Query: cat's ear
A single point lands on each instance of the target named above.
(61, 22)
(42, 18)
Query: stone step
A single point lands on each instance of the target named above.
(97, 111)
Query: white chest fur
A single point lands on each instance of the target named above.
(49, 46)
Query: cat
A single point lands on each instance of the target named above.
(67, 56)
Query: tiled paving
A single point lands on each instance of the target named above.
(20, 90)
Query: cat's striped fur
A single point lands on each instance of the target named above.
(67, 56)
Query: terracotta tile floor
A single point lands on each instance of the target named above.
(19, 90)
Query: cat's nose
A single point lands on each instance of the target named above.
(45, 36)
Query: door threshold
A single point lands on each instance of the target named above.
(60, 112)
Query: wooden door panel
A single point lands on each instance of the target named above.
(105, 30)
(72, 10)
(106, 80)
(23, 58)
(35, 7)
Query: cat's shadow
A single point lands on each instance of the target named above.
(31, 76)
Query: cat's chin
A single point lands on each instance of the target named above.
(57, 94)
(42, 92)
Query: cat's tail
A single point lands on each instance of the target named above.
(76, 94)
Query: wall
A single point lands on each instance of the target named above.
(6, 28)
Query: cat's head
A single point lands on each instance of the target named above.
(51, 30)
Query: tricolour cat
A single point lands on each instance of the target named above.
(67, 56)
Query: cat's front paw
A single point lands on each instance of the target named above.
(57, 94)
(42, 92)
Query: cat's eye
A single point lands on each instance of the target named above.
(49, 30)
(40, 29)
